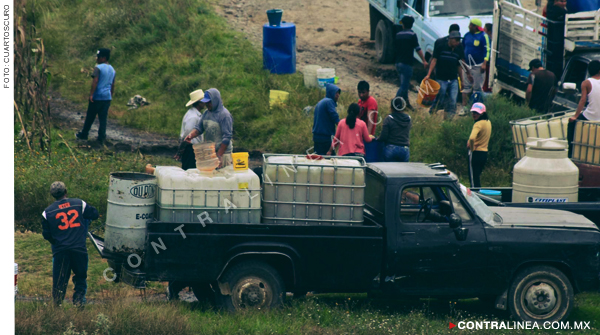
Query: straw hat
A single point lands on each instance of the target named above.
(194, 97)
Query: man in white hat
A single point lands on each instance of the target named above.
(185, 153)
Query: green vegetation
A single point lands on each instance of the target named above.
(164, 50)
(86, 174)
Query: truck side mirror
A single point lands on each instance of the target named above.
(569, 88)
(455, 221)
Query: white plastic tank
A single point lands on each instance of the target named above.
(299, 189)
(131, 201)
(226, 196)
(545, 174)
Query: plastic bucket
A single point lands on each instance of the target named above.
(427, 92)
(240, 161)
(278, 98)
(206, 157)
(310, 75)
(274, 16)
(326, 76)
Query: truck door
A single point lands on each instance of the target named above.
(575, 72)
(430, 259)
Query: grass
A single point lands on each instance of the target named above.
(164, 50)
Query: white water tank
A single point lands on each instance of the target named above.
(545, 174)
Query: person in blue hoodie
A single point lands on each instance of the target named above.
(217, 126)
(326, 119)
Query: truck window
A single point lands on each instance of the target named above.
(419, 7)
(375, 193)
(459, 209)
(413, 198)
(576, 73)
(461, 7)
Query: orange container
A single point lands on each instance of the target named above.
(427, 92)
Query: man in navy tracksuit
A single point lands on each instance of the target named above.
(326, 119)
(65, 224)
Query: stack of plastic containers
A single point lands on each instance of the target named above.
(542, 126)
(206, 157)
(313, 190)
(224, 196)
(586, 142)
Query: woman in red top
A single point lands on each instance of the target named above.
(351, 134)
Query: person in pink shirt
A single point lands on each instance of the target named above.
(351, 134)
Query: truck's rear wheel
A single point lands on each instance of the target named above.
(252, 285)
(384, 42)
(541, 293)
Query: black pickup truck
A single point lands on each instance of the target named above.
(424, 234)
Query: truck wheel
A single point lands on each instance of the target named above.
(204, 292)
(253, 285)
(384, 43)
(540, 293)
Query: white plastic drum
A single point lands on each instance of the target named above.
(131, 201)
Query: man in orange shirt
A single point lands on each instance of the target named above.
(368, 107)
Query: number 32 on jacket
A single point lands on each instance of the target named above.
(68, 219)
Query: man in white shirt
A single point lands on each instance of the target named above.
(590, 93)
(185, 153)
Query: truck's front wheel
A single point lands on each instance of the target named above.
(384, 42)
(252, 285)
(541, 293)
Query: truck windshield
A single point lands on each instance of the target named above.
(478, 205)
(461, 7)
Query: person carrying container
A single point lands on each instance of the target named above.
(368, 106)
(406, 43)
(590, 93)
(217, 126)
(446, 61)
(65, 225)
(477, 54)
(351, 135)
(101, 93)
(478, 143)
(396, 133)
(185, 152)
(325, 120)
(540, 87)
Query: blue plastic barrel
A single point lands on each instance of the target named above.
(279, 48)
(374, 151)
(274, 16)
(575, 6)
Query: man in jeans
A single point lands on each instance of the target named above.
(103, 88)
(477, 53)
(65, 225)
(326, 119)
(406, 43)
(446, 61)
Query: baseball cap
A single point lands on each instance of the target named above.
(478, 108)
(534, 64)
(206, 98)
(58, 189)
(454, 34)
(478, 23)
(103, 53)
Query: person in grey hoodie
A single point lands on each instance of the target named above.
(217, 126)
(396, 133)
(326, 118)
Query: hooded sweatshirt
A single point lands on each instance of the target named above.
(326, 116)
(217, 124)
(396, 129)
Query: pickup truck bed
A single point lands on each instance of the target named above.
(588, 204)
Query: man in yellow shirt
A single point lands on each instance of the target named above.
(478, 143)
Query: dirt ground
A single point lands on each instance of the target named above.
(330, 34)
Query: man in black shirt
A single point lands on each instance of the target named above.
(444, 40)
(540, 87)
(447, 60)
(406, 43)
(65, 224)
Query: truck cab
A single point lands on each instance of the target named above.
(432, 20)
(575, 73)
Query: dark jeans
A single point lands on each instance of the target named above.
(571, 132)
(188, 158)
(405, 73)
(322, 147)
(100, 108)
(396, 153)
(63, 263)
(451, 88)
(477, 163)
